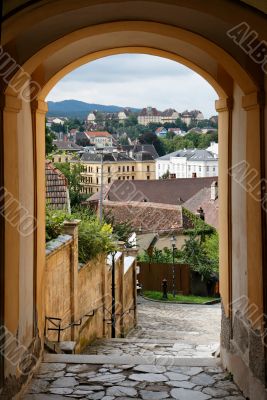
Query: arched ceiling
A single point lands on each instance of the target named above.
(51, 36)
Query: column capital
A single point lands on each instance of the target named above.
(224, 104)
(11, 103)
(253, 100)
(39, 106)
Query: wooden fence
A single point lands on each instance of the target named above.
(152, 274)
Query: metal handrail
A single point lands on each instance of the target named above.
(58, 327)
(89, 314)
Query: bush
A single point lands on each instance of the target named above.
(200, 256)
(160, 256)
(93, 237)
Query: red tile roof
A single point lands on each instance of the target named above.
(146, 217)
(57, 194)
(97, 134)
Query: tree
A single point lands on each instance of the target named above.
(73, 174)
(151, 138)
(177, 143)
(83, 141)
(194, 254)
(166, 175)
(49, 137)
(180, 124)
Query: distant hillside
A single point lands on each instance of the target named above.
(79, 109)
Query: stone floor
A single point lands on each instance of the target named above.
(168, 356)
(178, 330)
(58, 381)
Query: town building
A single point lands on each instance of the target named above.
(123, 115)
(136, 147)
(99, 138)
(161, 131)
(189, 117)
(149, 115)
(177, 131)
(116, 166)
(169, 116)
(214, 148)
(91, 117)
(164, 191)
(189, 163)
(57, 192)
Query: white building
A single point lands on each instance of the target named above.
(91, 117)
(214, 148)
(189, 163)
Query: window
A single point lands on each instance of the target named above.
(119, 178)
(133, 168)
(148, 177)
(208, 168)
(119, 169)
(128, 168)
(97, 181)
(199, 168)
(123, 178)
(109, 170)
(109, 180)
(213, 169)
(123, 169)
(132, 178)
(147, 168)
(128, 177)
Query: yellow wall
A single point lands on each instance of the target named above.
(91, 179)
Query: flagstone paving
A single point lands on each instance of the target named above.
(168, 356)
(148, 382)
(176, 330)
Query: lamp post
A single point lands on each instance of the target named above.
(101, 152)
(173, 243)
(113, 296)
(118, 245)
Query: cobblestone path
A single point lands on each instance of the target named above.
(177, 330)
(166, 357)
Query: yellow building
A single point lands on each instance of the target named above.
(116, 166)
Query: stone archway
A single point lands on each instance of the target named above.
(241, 131)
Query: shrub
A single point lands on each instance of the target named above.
(195, 253)
(93, 237)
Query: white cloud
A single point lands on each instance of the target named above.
(137, 81)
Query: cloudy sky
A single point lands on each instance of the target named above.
(137, 80)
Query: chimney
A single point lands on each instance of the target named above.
(200, 213)
(214, 191)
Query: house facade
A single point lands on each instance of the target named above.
(190, 163)
(99, 138)
(189, 117)
(149, 115)
(169, 116)
(116, 166)
(91, 117)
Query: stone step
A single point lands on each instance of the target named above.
(135, 340)
(131, 360)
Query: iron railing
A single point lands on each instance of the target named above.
(57, 322)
